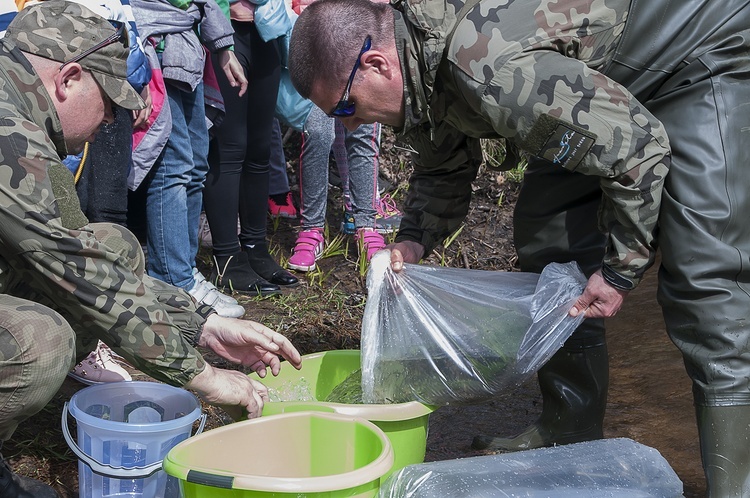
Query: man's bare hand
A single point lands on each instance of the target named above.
(248, 343)
(238, 394)
(405, 252)
(599, 299)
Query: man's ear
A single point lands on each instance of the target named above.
(67, 79)
(377, 61)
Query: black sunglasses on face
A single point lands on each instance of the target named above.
(120, 35)
(345, 108)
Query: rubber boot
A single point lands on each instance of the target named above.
(15, 486)
(235, 273)
(724, 433)
(574, 397)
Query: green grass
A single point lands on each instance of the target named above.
(48, 444)
(493, 152)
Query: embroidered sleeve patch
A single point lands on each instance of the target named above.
(559, 142)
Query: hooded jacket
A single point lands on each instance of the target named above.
(185, 32)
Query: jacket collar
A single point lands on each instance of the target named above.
(420, 41)
(415, 99)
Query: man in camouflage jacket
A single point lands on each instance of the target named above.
(590, 90)
(65, 283)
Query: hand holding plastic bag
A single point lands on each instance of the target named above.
(450, 336)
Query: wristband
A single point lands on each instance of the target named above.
(616, 280)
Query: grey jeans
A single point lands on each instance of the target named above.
(362, 158)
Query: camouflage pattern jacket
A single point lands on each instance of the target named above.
(48, 252)
(533, 73)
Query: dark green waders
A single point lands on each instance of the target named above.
(695, 77)
(696, 80)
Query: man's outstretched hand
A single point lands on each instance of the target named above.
(249, 344)
(245, 343)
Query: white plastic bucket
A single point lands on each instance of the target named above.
(125, 429)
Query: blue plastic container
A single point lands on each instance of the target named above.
(124, 431)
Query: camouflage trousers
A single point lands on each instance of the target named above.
(38, 346)
(37, 349)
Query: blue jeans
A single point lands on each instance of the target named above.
(175, 191)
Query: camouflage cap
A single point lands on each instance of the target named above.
(61, 31)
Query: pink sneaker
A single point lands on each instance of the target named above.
(369, 241)
(307, 250)
(388, 217)
(282, 206)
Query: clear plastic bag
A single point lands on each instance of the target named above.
(450, 336)
(612, 468)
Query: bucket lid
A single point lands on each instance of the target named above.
(190, 460)
(93, 405)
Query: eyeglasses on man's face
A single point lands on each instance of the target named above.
(345, 108)
(120, 35)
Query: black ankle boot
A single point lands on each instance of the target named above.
(235, 273)
(574, 385)
(15, 486)
(267, 267)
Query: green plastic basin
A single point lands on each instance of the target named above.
(311, 454)
(405, 424)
